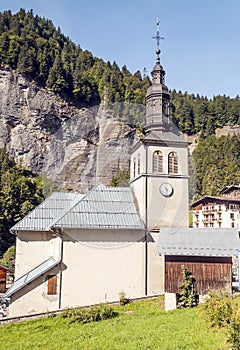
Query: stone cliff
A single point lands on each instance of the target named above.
(75, 147)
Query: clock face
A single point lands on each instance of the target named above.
(166, 190)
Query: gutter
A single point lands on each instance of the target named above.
(146, 223)
(60, 271)
(238, 253)
(59, 232)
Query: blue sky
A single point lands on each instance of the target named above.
(200, 52)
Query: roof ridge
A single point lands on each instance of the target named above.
(55, 221)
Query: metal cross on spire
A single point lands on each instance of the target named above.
(158, 38)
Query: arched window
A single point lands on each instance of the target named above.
(172, 163)
(138, 164)
(134, 167)
(157, 162)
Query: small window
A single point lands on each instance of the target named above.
(233, 225)
(138, 164)
(172, 163)
(52, 284)
(157, 162)
(134, 167)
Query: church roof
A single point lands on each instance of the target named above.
(102, 207)
(45, 214)
(198, 241)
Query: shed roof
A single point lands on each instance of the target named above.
(198, 241)
(32, 275)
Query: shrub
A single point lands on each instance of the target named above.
(90, 314)
(233, 331)
(218, 310)
(123, 300)
(187, 297)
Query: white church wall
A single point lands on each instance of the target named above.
(101, 264)
(155, 267)
(33, 298)
(33, 248)
(182, 153)
(168, 211)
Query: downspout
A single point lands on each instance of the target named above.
(60, 270)
(146, 223)
(238, 252)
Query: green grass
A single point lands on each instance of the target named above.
(140, 325)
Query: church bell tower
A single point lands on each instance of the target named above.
(159, 160)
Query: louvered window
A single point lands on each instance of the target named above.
(157, 162)
(138, 164)
(172, 163)
(134, 167)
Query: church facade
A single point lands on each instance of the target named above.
(76, 249)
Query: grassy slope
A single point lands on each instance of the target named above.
(140, 325)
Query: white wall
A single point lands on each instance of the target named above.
(221, 215)
(99, 264)
(162, 211)
(32, 248)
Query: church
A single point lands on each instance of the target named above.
(83, 249)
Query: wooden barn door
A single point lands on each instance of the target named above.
(210, 273)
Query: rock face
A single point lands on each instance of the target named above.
(74, 147)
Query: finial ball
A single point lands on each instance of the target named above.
(158, 51)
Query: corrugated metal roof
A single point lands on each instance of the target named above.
(103, 207)
(198, 241)
(42, 217)
(32, 275)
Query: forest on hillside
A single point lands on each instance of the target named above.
(20, 192)
(32, 46)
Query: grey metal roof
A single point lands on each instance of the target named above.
(103, 207)
(43, 216)
(165, 136)
(32, 275)
(198, 241)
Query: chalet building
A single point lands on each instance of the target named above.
(81, 249)
(3, 278)
(218, 212)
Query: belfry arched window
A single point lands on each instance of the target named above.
(138, 164)
(172, 163)
(157, 162)
(134, 167)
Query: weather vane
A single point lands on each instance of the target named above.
(158, 38)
